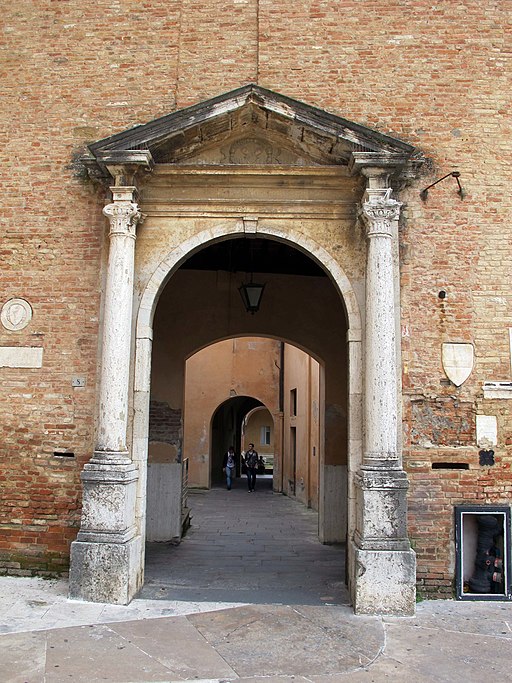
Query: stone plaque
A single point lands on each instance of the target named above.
(486, 430)
(16, 314)
(458, 362)
(21, 357)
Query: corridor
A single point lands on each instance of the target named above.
(258, 548)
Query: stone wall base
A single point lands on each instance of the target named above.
(332, 505)
(384, 581)
(106, 572)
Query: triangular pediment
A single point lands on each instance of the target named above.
(247, 126)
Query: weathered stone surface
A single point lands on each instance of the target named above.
(385, 582)
(105, 572)
(21, 357)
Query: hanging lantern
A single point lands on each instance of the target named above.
(251, 294)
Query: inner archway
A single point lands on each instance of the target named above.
(226, 431)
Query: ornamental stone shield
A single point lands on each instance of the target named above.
(458, 360)
(16, 314)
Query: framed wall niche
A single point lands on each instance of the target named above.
(482, 550)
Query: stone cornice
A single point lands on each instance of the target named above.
(124, 166)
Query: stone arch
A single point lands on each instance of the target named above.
(143, 350)
(292, 237)
(246, 405)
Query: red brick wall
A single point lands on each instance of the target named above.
(433, 75)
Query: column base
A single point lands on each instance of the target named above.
(384, 581)
(106, 572)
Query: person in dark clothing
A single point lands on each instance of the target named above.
(229, 466)
(251, 463)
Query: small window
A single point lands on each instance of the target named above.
(293, 402)
(265, 436)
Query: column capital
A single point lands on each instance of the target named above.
(123, 213)
(379, 211)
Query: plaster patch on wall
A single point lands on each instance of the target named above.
(442, 421)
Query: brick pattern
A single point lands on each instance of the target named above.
(435, 76)
(164, 423)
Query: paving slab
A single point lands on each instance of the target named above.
(97, 653)
(260, 549)
(276, 640)
(22, 657)
(293, 625)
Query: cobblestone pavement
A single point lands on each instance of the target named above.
(250, 595)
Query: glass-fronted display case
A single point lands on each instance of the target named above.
(482, 544)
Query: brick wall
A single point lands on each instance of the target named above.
(164, 423)
(433, 75)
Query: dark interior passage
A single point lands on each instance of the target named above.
(227, 431)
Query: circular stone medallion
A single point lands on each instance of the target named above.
(16, 314)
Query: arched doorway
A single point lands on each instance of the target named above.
(226, 431)
(258, 428)
(323, 190)
(201, 298)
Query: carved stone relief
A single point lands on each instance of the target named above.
(250, 151)
(16, 314)
(458, 362)
(255, 151)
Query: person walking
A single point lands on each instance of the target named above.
(251, 463)
(229, 466)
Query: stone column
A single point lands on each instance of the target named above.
(123, 215)
(105, 558)
(385, 565)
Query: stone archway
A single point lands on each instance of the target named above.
(226, 430)
(332, 480)
(311, 154)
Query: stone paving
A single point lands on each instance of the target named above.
(257, 548)
(291, 626)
